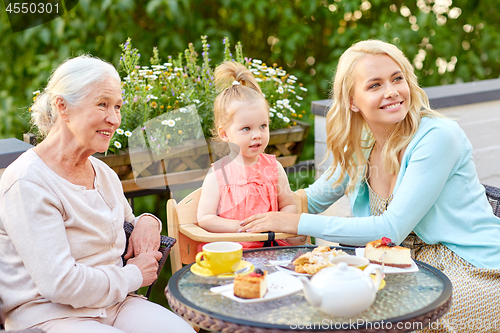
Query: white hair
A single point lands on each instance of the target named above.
(72, 81)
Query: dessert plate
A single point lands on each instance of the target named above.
(281, 265)
(360, 252)
(203, 271)
(279, 284)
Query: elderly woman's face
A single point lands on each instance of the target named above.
(95, 119)
(381, 92)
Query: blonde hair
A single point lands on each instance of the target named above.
(349, 135)
(239, 85)
(72, 80)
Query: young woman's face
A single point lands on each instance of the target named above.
(248, 132)
(381, 92)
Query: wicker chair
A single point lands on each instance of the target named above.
(166, 244)
(493, 195)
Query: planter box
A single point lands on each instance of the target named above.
(141, 169)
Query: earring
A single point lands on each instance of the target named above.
(355, 109)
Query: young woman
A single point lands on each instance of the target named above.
(410, 176)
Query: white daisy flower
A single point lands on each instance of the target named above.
(164, 122)
(36, 92)
(257, 61)
(303, 89)
(286, 120)
(272, 109)
(299, 98)
(197, 101)
(167, 64)
(280, 90)
(171, 123)
(298, 104)
(279, 114)
(117, 144)
(271, 114)
(128, 133)
(258, 79)
(119, 131)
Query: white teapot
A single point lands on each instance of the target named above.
(342, 290)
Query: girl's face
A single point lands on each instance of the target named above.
(381, 92)
(248, 131)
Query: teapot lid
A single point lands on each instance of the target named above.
(343, 272)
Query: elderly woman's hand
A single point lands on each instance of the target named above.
(145, 237)
(148, 265)
(272, 221)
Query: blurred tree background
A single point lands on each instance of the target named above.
(447, 42)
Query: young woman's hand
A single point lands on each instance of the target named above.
(148, 265)
(145, 237)
(272, 221)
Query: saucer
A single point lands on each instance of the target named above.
(382, 283)
(203, 271)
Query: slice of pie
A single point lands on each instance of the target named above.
(384, 250)
(319, 258)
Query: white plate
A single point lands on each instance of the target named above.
(279, 284)
(360, 252)
(278, 263)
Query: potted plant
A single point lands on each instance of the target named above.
(166, 132)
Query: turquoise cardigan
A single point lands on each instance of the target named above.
(437, 195)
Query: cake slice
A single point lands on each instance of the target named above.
(384, 250)
(253, 285)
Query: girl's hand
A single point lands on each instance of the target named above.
(272, 221)
(145, 237)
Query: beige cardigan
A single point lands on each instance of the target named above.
(59, 257)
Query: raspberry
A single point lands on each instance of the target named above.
(257, 273)
(386, 241)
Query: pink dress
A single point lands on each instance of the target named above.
(247, 190)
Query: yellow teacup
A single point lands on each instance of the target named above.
(358, 262)
(220, 257)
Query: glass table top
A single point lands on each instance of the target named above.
(405, 295)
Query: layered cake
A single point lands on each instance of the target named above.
(253, 285)
(384, 250)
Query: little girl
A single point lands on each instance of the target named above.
(247, 181)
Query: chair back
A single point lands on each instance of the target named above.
(493, 195)
(182, 223)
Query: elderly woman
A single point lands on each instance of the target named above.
(410, 177)
(61, 219)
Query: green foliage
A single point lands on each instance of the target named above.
(455, 43)
(166, 104)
